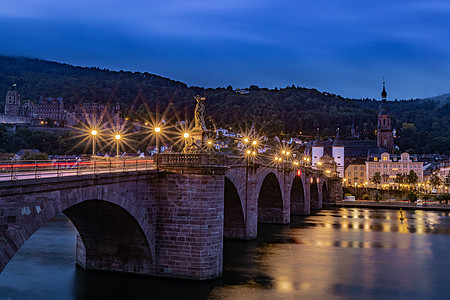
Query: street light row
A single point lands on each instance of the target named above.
(284, 154)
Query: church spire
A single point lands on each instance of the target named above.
(385, 137)
(384, 93)
(317, 141)
(337, 141)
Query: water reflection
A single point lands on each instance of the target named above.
(334, 254)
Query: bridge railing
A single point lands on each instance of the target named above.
(190, 160)
(16, 170)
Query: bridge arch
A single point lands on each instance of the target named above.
(298, 199)
(109, 238)
(314, 193)
(100, 225)
(234, 222)
(325, 195)
(270, 200)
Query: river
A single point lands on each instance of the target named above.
(346, 253)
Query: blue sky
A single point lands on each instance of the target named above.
(340, 46)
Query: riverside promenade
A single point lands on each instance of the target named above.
(430, 205)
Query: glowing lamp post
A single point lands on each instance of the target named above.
(117, 144)
(157, 131)
(93, 133)
(185, 136)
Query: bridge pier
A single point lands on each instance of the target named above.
(189, 227)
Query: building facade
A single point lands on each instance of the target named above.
(49, 108)
(94, 111)
(355, 174)
(390, 165)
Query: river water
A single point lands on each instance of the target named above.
(334, 254)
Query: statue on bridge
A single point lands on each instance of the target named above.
(200, 114)
(195, 141)
(190, 146)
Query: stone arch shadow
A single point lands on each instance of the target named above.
(324, 192)
(270, 200)
(104, 241)
(297, 196)
(110, 239)
(234, 220)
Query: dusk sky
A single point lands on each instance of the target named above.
(339, 46)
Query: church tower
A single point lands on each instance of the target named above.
(385, 136)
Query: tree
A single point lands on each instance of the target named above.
(376, 178)
(444, 197)
(412, 178)
(447, 180)
(398, 179)
(412, 197)
(435, 181)
(34, 156)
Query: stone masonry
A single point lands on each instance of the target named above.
(169, 222)
(166, 224)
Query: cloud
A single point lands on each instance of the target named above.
(326, 44)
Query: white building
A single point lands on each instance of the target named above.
(390, 165)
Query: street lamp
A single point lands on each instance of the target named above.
(117, 144)
(93, 133)
(185, 136)
(157, 131)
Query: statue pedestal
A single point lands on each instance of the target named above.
(197, 135)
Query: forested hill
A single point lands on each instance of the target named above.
(422, 124)
(290, 110)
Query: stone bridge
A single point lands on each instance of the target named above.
(169, 221)
(269, 194)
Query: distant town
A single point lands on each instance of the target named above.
(360, 163)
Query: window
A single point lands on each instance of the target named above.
(375, 159)
(362, 174)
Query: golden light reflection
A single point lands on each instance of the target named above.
(284, 284)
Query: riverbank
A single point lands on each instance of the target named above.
(390, 205)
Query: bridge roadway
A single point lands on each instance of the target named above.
(166, 218)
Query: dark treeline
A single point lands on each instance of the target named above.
(421, 126)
